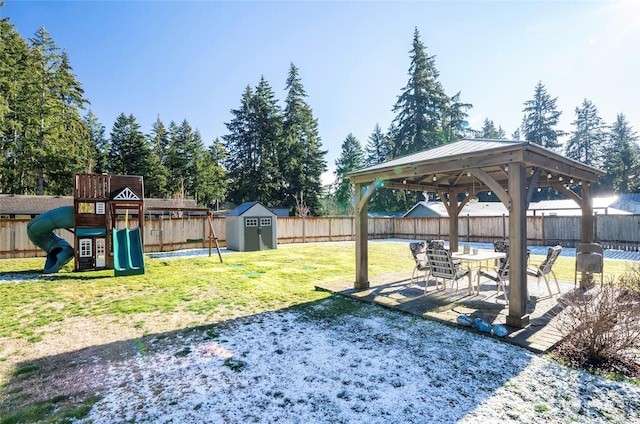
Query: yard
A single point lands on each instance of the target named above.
(250, 340)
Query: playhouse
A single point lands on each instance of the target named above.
(98, 200)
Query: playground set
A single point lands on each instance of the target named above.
(98, 200)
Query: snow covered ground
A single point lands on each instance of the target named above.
(310, 365)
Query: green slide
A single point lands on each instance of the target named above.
(128, 254)
(40, 232)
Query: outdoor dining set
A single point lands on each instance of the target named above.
(433, 261)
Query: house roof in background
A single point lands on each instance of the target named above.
(17, 204)
(470, 209)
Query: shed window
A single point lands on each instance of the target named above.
(251, 222)
(85, 248)
(265, 222)
(100, 208)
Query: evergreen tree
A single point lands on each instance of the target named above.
(159, 142)
(351, 158)
(454, 119)
(302, 159)
(587, 141)
(420, 108)
(516, 134)
(541, 116)
(129, 149)
(622, 159)
(267, 127)
(490, 131)
(184, 152)
(241, 144)
(99, 141)
(62, 142)
(378, 148)
(212, 180)
(18, 95)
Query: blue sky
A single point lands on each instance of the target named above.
(192, 60)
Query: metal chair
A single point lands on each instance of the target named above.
(590, 260)
(419, 253)
(498, 274)
(442, 265)
(545, 268)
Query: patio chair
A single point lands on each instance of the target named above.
(499, 274)
(546, 267)
(419, 253)
(443, 266)
(589, 259)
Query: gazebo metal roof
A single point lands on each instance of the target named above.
(444, 166)
(511, 169)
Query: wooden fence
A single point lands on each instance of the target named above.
(163, 234)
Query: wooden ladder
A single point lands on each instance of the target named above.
(212, 236)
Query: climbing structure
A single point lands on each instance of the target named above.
(98, 201)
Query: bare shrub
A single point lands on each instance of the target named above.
(601, 326)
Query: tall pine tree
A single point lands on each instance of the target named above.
(589, 137)
(129, 149)
(420, 108)
(302, 160)
(351, 158)
(540, 119)
(622, 161)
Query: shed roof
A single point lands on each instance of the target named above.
(243, 208)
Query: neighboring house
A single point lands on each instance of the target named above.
(563, 207)
(628, 202)
(437, 209)
(567, 207)
(26, 206)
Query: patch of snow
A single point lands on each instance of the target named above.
(378, 367)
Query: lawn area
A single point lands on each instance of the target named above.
(195, 338)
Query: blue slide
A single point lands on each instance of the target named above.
(128, 253)
(40, 232)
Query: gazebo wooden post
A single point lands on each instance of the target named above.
(518, 316)
(363, 195)
(586, 234)
(452, 208)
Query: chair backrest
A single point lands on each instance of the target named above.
(435, 244)
(417, 248)
(502, 247)
(552, 255)
(441, 263)
(589, 258)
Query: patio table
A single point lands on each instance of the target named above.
(477, 261)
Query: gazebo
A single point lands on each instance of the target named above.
(511, 169)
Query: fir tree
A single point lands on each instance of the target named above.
(541, 116)
(351, 158)
(99, 141)
(420, 108)
(302, 159)
(129, 149)
(587, 141)
(241, 144)
(622, 159)
(490, 131)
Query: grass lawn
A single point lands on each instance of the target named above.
(45, 320)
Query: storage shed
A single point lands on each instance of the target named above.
(251, 227)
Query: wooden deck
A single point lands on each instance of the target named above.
(396, 291)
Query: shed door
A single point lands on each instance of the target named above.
(266, 233)
(251, 234)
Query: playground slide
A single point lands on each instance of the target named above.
(128, 254)
(40, 232)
